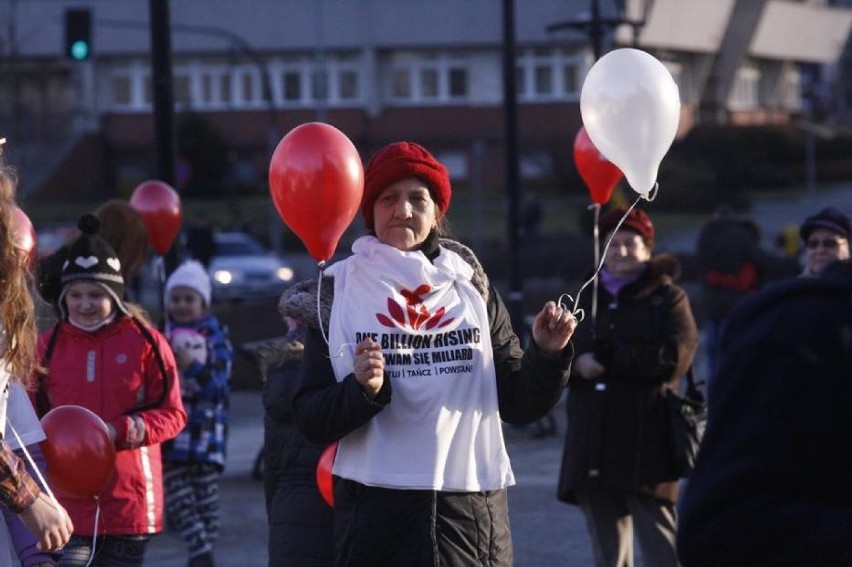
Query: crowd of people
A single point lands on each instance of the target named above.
(403, 357)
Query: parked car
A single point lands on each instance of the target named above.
(242, 268)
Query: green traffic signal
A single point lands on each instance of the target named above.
(79, 50)
(78, 34)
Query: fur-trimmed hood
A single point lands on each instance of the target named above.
(300, 300)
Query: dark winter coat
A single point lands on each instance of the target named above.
(729, 254)
(619, 434)
(420, 527)
(771, 484)
(300, 522)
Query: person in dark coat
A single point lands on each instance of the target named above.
(771, 484)
(300, 521)
(733, 267)
(417, 371)
(618, 461)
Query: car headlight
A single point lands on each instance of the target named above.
(284, 273)
(223, 277)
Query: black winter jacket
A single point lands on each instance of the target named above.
(376, 526)
(300, 522)
(619, 433)
(771, 484)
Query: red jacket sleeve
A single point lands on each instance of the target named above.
(162, 415)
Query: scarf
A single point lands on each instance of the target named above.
(442, 430)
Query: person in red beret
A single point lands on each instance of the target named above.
(419, 370)
(618, 464)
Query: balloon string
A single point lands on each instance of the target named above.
(579, 313)
(95, 536)
(596, 232)
(32, 463)
(340, 351)
(321, 268)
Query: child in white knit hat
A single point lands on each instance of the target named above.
(195, 459)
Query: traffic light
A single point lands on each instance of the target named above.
(78, 34)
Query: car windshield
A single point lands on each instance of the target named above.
(239, 248)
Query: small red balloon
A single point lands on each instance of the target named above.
(316, 180)
(25, 235)
(160, 208)
(324, 480)
(79, 452)
(600, 174)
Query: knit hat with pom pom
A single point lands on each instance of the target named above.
(90, 258)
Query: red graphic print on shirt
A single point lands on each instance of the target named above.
(417, 318)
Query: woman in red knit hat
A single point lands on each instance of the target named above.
(420, 368)
(618, 465)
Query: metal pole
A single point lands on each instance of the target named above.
(161, 79)
(596, 30)
(516, 292)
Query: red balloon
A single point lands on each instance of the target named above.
(25, 235)
(316, 180)
(600, 174)
(79, 452)
(160, 208)
(324, 481)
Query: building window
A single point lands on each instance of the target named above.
(130, 87)
(122, 91)
(349, 85)
(543, 80)
(458, 83)
(213, 88)
(791, 94)
(429, 83)
(746, 88)
(549, 74)
(180, 89)
(433, 78)
(401, 83)
(319, 85)
(248, 87)
(292, 86)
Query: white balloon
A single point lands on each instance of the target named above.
(630, 106)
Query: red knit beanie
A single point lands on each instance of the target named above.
(398, 161)
(638, 221)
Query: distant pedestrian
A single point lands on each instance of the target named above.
(826, 238)
(733, 267)
(194, 460)
(618, 464)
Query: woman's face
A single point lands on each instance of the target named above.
(824, 247)
(404, 214)
(88, 303)
(627, 253)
